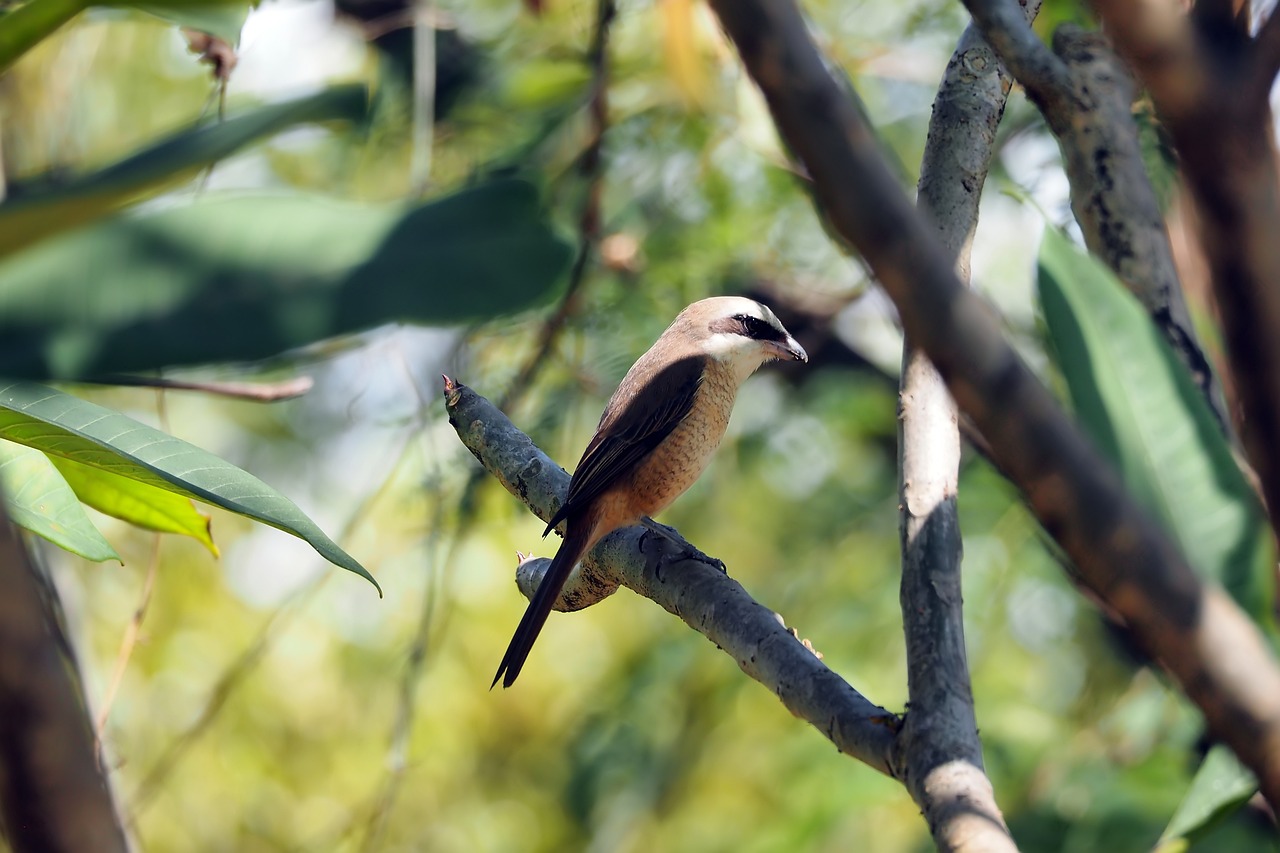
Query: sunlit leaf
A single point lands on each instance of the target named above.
(136, 502)
(242, 278)
(88, 434)
(38, 499)
(35, 215)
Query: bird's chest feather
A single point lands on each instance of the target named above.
(675, 464)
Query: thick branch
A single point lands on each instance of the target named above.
(1218, 115)
(1006, 24)
(1213, 650)
(939, 749)
(1112, 196)
(707, 599)
(53, 796)
(1089, 112)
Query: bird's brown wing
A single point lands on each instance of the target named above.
(646, 408)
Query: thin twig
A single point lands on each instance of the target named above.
(591, 170)
(129, 640)
(406, 707)
(424, 95)
(258, 392)
(134, 629)
(235, 673)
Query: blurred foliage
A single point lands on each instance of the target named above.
(274, 705)
(1144, 412)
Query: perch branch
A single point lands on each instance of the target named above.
(707, 599)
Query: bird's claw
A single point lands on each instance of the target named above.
(689, 552)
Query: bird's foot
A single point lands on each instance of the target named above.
(688, 551)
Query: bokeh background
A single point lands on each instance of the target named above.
(273, 702)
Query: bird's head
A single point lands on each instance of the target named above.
(740, 333)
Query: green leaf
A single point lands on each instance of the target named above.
(39, 499)
(30, 23)
(91, 435)
(36, 215)
(136, 502)
(1221, 785)
(243, 278)
(1134, 398)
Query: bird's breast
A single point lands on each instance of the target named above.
(677, 462)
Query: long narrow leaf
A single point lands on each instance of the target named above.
(243, 278)
(36, 215)
(1134, 398)
(1220, 787)
(138, 503)
(32, 22)
(38, 499)
(62, 425)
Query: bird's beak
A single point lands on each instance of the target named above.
(789, 349)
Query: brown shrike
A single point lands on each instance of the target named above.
(655, 437)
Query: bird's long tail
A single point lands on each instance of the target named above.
(576, 541)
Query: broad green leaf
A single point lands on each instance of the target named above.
(1134, 398)
(136, 502)
(38, 499)
(1221, 785)
(242, 278)
(36, 215)
(91, 435)
(33, 21)
(224, 20)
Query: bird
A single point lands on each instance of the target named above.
(655, 437)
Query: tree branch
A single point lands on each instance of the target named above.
(1006, 24)
(939, 752)
(1267, 47)
(1206, 642)
(1205, 88)
(53, 796)
(707, 599)
(1112, 196)
(1111, 193)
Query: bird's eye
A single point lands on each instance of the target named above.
(756, 328)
